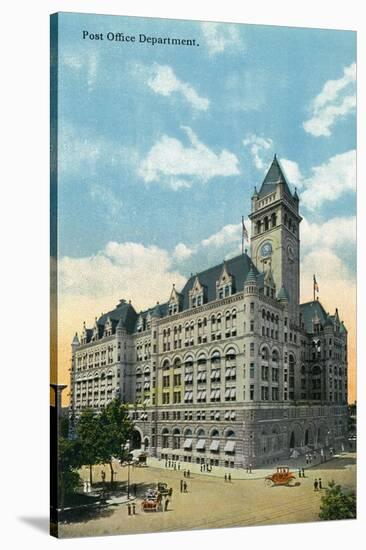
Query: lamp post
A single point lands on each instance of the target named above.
(126, 447)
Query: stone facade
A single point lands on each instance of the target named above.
(232, 370)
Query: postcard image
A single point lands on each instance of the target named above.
(203, 275)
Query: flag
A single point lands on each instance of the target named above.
(245, 232)
(316, 286)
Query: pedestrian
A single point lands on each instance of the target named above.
(250, 468)
(185, 486)
(102, 475)
(225, 477)
(134, 508)
(200, 467)
(307, 459)
(178, 465)
(315, 485)
(169, 463)
(166, 504)
(181, 485)
(175, 465)
(129, 508)
(320, 483)
(184, 473)
(229, 478)
(303, 472)
(171, 492)
(299, 472)
(189, 473)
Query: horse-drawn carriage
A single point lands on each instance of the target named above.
(152, 501)
(282, 476)
(154, 495)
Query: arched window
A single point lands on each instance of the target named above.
(266, 223)
(230, 354)
(265, 354)
(291, 364)
(215, 357)
(165, 438)
(176, 438)
(177, 363)
(166, 364)
(258, 227)
(275, 356)
(201, 359)
(273, 219)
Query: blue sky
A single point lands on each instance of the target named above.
(161, 146)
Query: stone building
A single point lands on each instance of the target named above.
(232, 369)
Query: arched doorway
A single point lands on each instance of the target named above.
(146, 443)
(135, 441)
(307, 436)
(292, 440)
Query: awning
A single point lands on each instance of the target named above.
(201, 443)
(229, 447)
(233, 416)
(187, 444)
(227, 415)
(215, 445)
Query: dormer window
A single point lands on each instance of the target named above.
(224, 286)
(140, 324)
(196, 294)
(174, 301)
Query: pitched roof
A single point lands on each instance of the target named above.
(313, 309)
(274, 176)
(124, 312)
(237, 267)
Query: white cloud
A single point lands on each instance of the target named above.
(336, 100)
(337, 285)
(162, 80)
(219, 37)
(130, 270)
(330, 180)
(183, 252)
(228, 234)
(259, 147)
(174, 165)
(335, 233)
(292, 172)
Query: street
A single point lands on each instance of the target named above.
(210, 502)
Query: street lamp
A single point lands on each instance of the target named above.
(126, 447)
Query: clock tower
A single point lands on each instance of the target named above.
(275, 243)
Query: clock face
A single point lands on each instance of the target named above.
(266, 250)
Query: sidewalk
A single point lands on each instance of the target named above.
(240, 473)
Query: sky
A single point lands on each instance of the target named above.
(160, 147)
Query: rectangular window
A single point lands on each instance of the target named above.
(252, 392)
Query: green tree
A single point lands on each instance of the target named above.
(70, 459)
(115, 429)
(88, 431)
(335, 504)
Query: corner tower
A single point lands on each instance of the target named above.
(275, 242)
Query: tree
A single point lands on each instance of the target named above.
(115, 428)
(335, 504)
(88, 431)
(70, 459)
